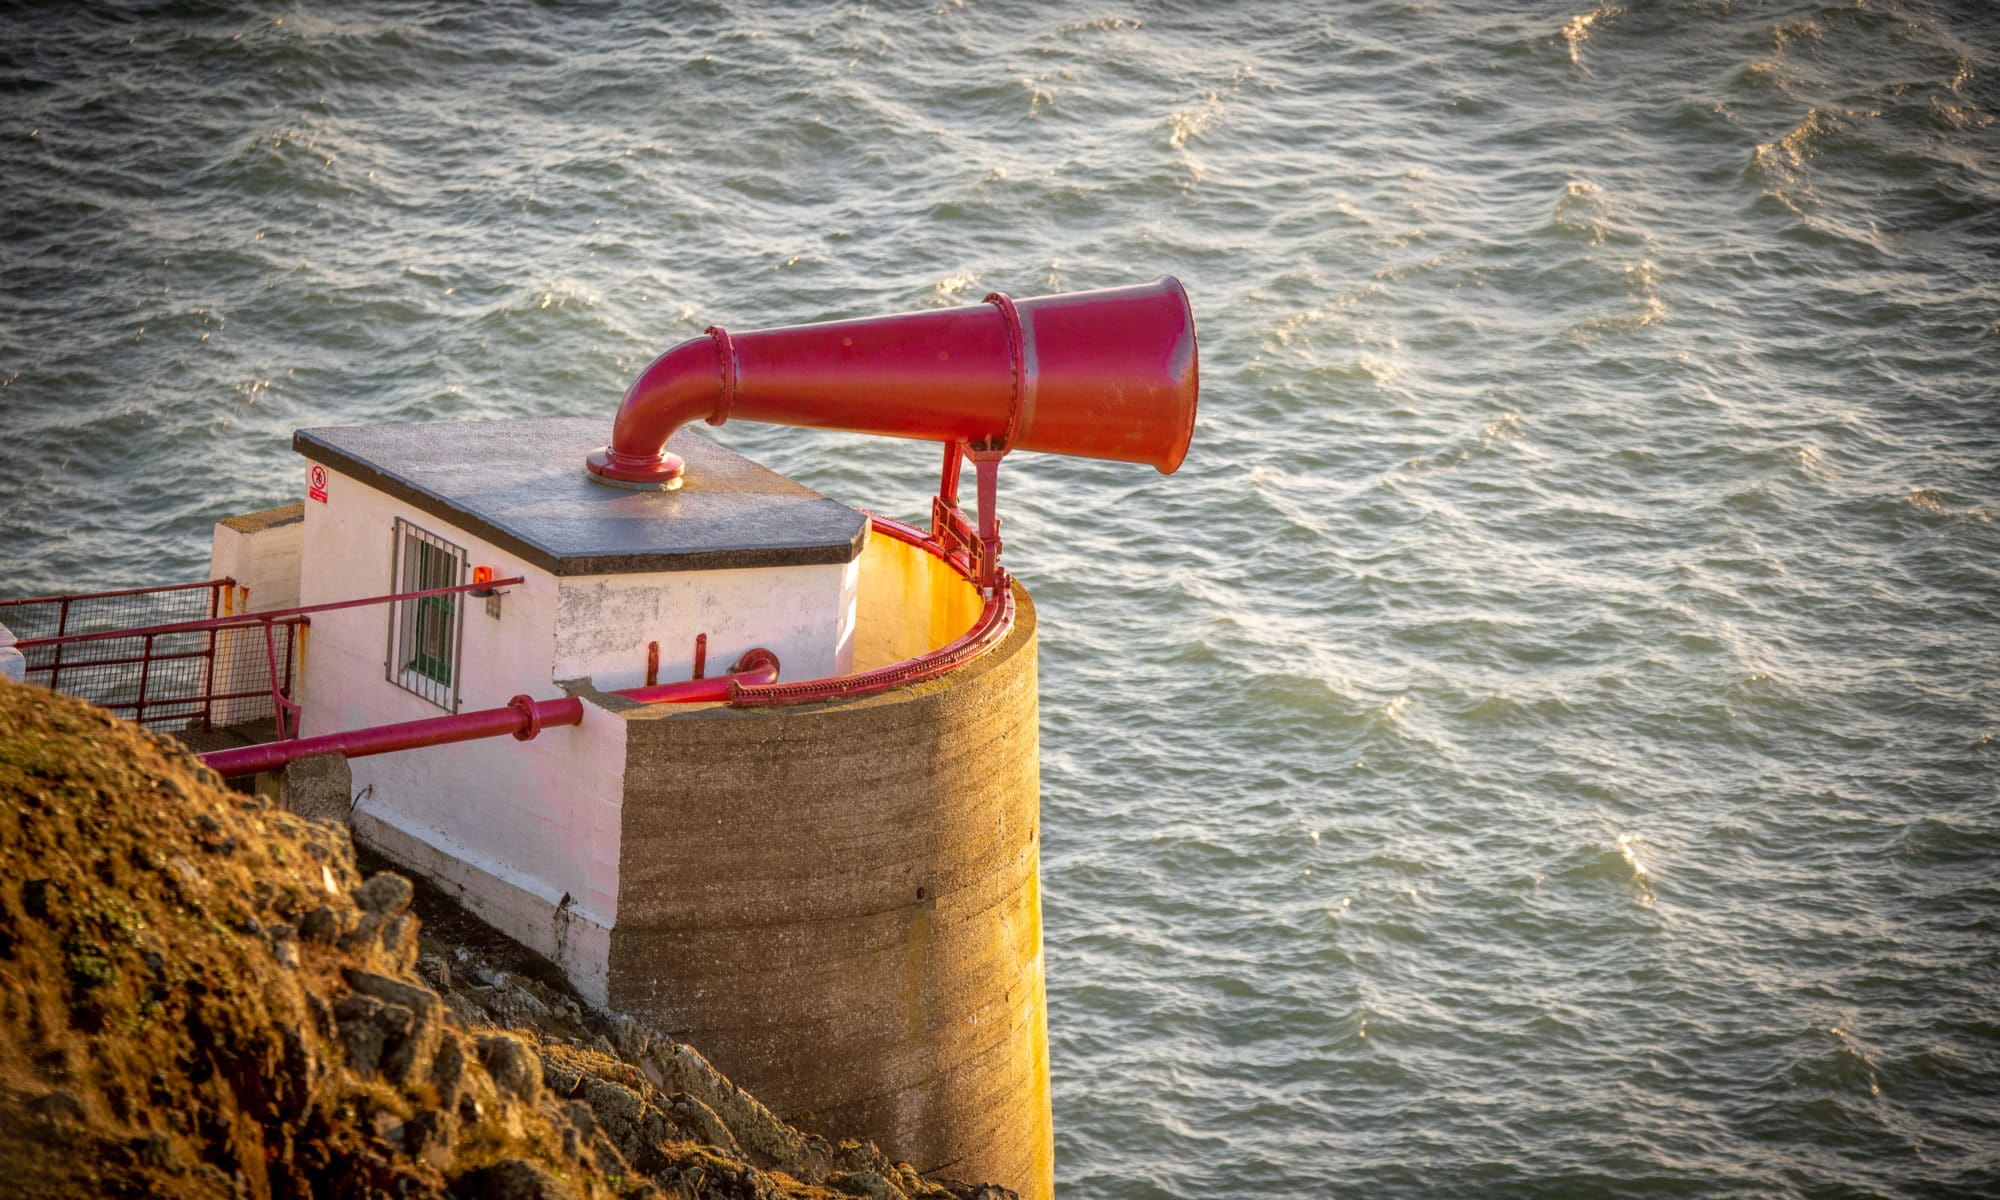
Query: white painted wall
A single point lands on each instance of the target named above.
(263, 558)
(13, 664)
(528, 833)
(518, 826)
(347, 553)
(541, 862)
(804, 615)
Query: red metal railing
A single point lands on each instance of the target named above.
(996, 619)
(101, 646)
(193, 675)
(54, 616)
(181, 676)
(753, 681)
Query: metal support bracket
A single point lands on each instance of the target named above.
(977, 547)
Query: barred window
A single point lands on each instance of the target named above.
(424, 632)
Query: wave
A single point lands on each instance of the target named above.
(1577, 30)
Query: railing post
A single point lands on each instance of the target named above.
(145, 673)
(271, 662)
(208, 682)
(62, 630)
(295, 647)
(945, 504)
(283, 712)
(215, 604)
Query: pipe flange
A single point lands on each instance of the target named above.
(725, 349)
(1017, 348)
(755, 658)
(531, 713)
(635, 473)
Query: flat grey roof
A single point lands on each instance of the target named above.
(521, 485)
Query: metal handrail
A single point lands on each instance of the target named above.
(246, 620)
(137, 591)
(996, 620)
(523, 718)
(285, 711)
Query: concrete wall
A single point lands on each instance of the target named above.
(804, 615)
(260, 551)
(909, 603)
(840, 905)
(527, 835)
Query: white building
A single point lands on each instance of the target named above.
(739, 557)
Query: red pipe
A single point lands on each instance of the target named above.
(522, 717)
(755, 668)
(1110, 374)
(995, 621)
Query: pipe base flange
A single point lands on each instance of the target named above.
(612, 469)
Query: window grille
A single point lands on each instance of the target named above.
(425, 633)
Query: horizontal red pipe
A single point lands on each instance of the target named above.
(521, 717)
(758, 667)
(516, 718)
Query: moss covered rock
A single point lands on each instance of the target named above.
(201, 995)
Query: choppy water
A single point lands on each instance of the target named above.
(1542, 743)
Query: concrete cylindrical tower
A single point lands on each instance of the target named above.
(839, 904)
(837, 901)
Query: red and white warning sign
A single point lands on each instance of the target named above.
(316, 483)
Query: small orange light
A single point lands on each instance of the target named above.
(482, 575)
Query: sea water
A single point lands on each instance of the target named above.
(1543, 740)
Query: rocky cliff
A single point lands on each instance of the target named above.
(201, 995)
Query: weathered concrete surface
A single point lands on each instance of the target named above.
(320, 788)
(521, 485)
(13, 664)
(266, 520)
(840, 903)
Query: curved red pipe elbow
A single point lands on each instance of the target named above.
(757, 668)
(689, 381)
